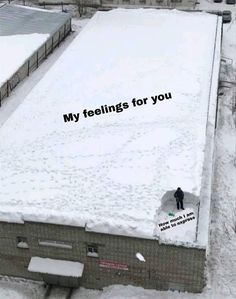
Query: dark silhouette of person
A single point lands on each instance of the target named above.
(179, 196)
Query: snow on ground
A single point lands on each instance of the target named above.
(222, 255)
(30, 290)
(20, 289)
(59, 293)
(71, 169)
(15, 50)
(78, 24)
(130, 292)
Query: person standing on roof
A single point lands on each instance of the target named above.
(179, 196)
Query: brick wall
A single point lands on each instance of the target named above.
(166, 266)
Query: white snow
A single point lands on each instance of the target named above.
(207, 178)
(131, 292)
(222, 261)
(140, 257)
(22, 245)
(13, 288)
(13, 217)
(55, 244)
(183, 226)
(15, 50)
(92, 254)
(18, 95)
(111, 171)
(56, 267)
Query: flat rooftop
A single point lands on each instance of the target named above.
(109, 172)
(22, 31)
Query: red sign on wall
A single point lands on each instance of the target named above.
(112, 265)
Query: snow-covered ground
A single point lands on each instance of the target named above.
(222, 255)
(72, 171)
(56, 267)
(16, 45)
(11, 288)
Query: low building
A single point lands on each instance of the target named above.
(91, 159)
(26, 42)
(186, 4)
(109, 4)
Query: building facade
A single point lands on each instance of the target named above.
(150, 3)
(107, 259)
(188, 4)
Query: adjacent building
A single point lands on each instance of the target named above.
(26, 42)
(187, 4)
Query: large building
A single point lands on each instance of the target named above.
(91, 159)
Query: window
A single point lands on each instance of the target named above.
(126, 1)
(92, 250)
(57, 244)
(21, 242)
(142, 1)
(176, 1)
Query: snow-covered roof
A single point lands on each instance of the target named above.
(55, 267)
(110, 171)
(23, 30)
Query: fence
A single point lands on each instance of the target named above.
(167, 3)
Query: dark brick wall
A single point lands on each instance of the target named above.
(166, 266)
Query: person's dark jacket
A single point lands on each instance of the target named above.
(179, 194)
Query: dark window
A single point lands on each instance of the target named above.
(142, 1)
(92, 250)
(21, 242)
